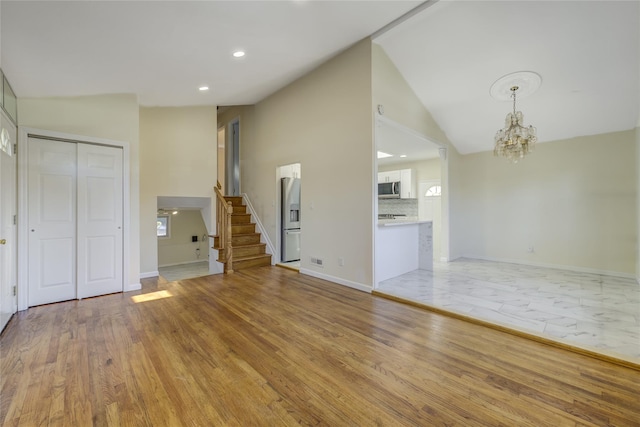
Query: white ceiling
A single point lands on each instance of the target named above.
(587, 53)
(164, 50)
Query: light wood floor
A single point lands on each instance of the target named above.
(272, 347)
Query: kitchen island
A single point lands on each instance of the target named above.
(403, 245)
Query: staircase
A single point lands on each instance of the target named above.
(246, 249)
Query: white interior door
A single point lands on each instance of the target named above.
(52, 221)
(99, 220)
(8, 230)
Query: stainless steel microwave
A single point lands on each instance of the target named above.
(389, 190)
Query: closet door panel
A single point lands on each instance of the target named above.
(52, 221)
(100, 219)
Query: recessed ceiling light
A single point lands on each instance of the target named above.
(175, 212)
(238, 53)
(403, 155)
(203, 88)
(382, 155)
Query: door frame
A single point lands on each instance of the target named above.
(24, 133)
(12, 238)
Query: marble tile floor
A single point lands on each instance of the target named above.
(591, 311)
(184, 271)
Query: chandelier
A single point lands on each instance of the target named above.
(515, 140)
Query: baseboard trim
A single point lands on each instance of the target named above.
(149, 274)
(338, 280)
(556, 266)
(618, 360)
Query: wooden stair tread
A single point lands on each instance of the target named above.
(247, 257)
(247, 245)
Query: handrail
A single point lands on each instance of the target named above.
(224, 209)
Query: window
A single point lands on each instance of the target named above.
(163, 226)
(433, 191)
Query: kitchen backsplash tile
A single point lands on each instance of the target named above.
(408, 207)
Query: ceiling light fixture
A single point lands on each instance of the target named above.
(203, 88)
(383, 155)
(515, 141)
(238, 54)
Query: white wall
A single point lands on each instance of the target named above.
(324, 122)
(178, 248)
(573, 201)
(178, 158)
(112, 117)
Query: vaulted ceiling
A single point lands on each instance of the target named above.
(587, 53)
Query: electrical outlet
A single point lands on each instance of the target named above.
(530, 249)
(341, 262)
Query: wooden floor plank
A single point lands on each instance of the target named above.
(269, 346)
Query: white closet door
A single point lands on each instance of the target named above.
(99, 220)
(52, 221)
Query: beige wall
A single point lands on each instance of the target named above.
(112, 117)
(324, 122)
(178, 248)
(400, 103)
(573, 200)
(177, 159)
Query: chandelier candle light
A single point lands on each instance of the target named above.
(515, 140)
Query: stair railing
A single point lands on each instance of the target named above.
(224, 209)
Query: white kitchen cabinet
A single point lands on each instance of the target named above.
(407, 184)
(389, 176)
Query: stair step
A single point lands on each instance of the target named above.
(238, 240)
(245, 239)
(244, 250)
(251, 261)
(240, 218)
(239, 209)
(243, 228)
(235, 200)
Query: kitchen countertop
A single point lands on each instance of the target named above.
(403, 221)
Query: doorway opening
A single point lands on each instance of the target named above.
(288, 215)
(411, 178)
(183, 242)
(229, 157)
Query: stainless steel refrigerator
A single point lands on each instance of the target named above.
(290, 242)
